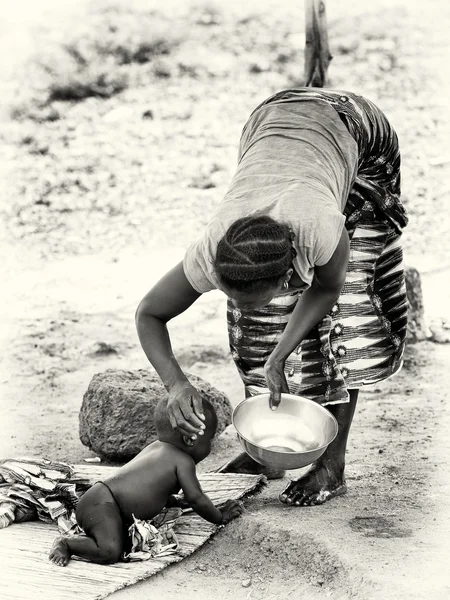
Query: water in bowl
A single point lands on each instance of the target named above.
(283, 444)
(276, 448)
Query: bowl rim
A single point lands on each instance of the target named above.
(284, 395)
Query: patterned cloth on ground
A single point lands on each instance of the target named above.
(32, 488)
(154, 538)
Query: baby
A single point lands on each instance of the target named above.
(143, 487)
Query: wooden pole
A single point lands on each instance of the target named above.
(317, 53)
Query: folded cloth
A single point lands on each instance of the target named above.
(7, 513)
(37, 487)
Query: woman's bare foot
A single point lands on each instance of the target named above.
(60, 553)
(323, 482)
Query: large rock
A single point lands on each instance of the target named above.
(417, 328)
(116, 416)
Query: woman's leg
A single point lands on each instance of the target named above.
(325, 479)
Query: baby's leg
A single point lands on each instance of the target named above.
(100, 518)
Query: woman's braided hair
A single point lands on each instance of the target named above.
(254, 254)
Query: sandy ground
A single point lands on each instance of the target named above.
(385, 536)
(72, 280)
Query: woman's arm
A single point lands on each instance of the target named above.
(311, 308)
(172, 295)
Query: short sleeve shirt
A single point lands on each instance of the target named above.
(297, 163)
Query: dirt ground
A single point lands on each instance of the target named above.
(98, 204)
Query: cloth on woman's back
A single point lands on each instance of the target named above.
(378, 175)
(297, 163)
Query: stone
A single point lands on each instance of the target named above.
(103, 348)
(258, 64)
(417, 328)
(440, 331)
(116, 415)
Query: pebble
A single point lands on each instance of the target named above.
(147, 114)
(246, 583)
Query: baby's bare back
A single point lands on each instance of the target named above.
(143, 486)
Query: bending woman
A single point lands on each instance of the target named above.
(306, 246)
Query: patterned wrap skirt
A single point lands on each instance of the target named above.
(362, 339)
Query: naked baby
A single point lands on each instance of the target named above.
(143, 487)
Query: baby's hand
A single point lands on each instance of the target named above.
(231, 510)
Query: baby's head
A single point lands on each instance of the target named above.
(199, 448)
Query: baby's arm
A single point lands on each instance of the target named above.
(176, 501)
(198, 500)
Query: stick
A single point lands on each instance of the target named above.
(317, 53)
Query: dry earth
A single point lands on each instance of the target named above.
(99, 203)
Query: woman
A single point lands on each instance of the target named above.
(306, 246)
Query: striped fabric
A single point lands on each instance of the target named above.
(362, 339)
(38, 488)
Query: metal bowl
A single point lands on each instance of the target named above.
(290, 437)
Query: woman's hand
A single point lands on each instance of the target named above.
(276, 381)
(171, 296)
(184, 409)
(312, 306)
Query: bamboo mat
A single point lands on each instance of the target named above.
(27, 574)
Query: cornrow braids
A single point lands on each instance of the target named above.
(254, 254)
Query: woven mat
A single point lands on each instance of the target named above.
(26, 572)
